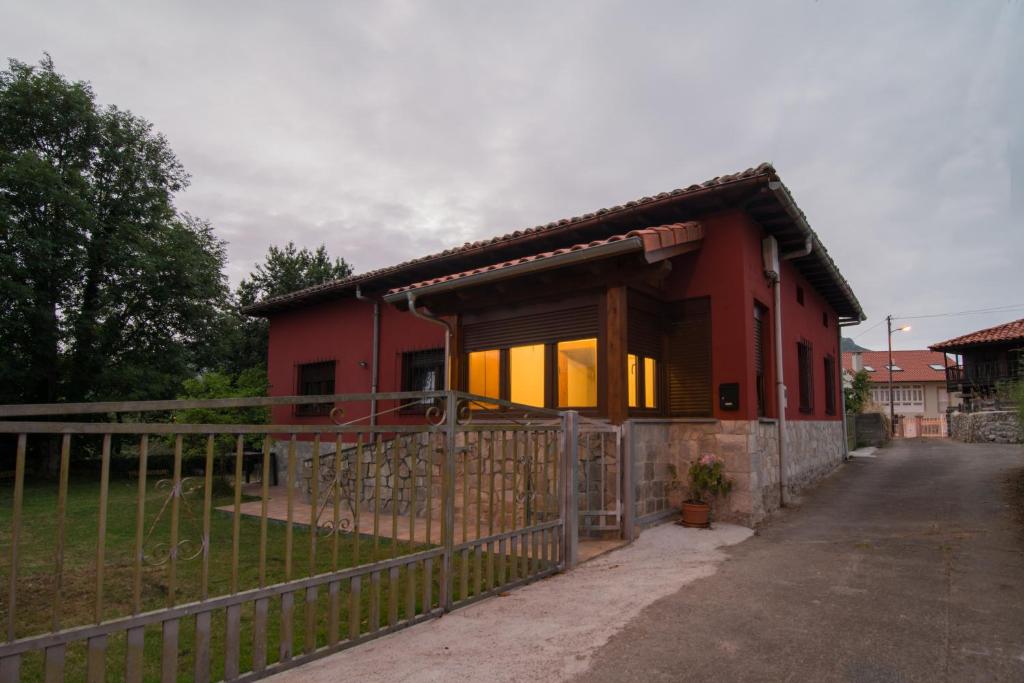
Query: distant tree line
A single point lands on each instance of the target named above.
(107, 290)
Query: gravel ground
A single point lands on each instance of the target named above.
(544, 631)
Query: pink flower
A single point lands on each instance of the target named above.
(707, 459)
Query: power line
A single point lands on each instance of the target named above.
(999, 309)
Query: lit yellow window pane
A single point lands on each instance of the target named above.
(526, 375)
(649, 385)
(632, 361)
(577, 373)
(485, 374)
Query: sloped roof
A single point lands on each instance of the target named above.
(916, 365)
(650, 240)
(758, 190)
(1007, 332)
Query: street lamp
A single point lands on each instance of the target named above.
(892, 405)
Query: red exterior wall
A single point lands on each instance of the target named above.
(728, 269)
(342, 331)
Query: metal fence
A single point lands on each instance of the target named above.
(147, 556)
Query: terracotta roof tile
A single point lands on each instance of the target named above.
(916, 365)
(652, 239)
(1007, 332)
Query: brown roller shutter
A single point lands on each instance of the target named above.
(537, 328)
(644, 333)
(689, 359)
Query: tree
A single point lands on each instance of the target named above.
(106, 290)
(282, 271)
(858, 395)
(216, 384)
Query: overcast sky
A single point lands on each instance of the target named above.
(388, 130)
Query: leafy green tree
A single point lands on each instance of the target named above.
(283, 270)
(216, 384)
(106, 289)
(858, 395)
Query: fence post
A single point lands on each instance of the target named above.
(448, 501)
(626, 451)
(570, 511)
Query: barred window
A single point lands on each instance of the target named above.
(315, 379)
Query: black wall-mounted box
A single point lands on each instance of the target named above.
(729, 396)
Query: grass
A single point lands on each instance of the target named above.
(36, 580)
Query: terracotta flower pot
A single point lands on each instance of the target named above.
(696, 514)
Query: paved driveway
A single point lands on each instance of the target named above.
(905, 567)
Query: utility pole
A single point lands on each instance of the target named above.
(892, 406)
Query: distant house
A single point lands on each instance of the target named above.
(918, 380)
(984, 359)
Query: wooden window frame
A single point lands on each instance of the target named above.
(641, 386)
(761, 319)
(303, 388)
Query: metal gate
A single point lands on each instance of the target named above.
(599, 479)
(156, 567)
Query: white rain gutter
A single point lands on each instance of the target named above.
(375, 364)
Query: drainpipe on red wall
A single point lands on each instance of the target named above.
(375, 363)
(424, 314)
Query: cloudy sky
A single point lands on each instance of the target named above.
(388, 130)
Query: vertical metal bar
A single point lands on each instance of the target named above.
(393, 590)
(101, 532)
(336, 498)
(309, 642)
(232, 640)
(502, 457)
(54, 664)
(448, 501)
(357, 494)
(62, 499)
(355, 613)
(413, 451)
(410, 595)
(377, 455)
(428, 585)
(396, 462)
(480, 480)
(136, 645)
(478, 573)
(513, 564)
(140, 526)
(515, 479)
(172, 563)
(287, 622)
(10, 669)
(465, 488)
(96, 659)
(501, 562)
(464, 574)
(201, 664)
(375, 600)
(264, 501)
(490, 494)
(289, 531)
(490, 565)
(207, 507)
(169, 652)
(259, 630)
(236, 521)
(429, 479)
(570, 429)
(314, 504)
(333, 612)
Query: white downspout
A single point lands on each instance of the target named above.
(375, 364)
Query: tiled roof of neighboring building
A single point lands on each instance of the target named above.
(649, 239)
(1007, 332)
(787, 222)
(915, 366)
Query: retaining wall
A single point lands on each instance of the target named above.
(995, 426)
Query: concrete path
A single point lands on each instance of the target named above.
(544, 631)
(903, 567)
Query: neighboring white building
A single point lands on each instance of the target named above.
(918, 380)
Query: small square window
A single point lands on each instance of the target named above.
(315, 379)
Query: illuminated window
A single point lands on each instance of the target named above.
(634, 378)
(577, 373)
(526, 375)
(485, 374)
(649, 383)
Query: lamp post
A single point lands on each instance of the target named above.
(892, 405)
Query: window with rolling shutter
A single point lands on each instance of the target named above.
(539, 328)
(760, 315)
(688, 363)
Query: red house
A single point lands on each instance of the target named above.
(705, 319)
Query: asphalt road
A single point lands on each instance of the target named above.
(905, 567)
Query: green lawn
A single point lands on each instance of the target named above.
(36, 576)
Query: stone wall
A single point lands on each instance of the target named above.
(997, 426)
(663, 450)
(870, 429)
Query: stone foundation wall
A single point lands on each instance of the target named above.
(663, 450)
(997, 426)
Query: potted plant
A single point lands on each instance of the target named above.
(707, 478)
